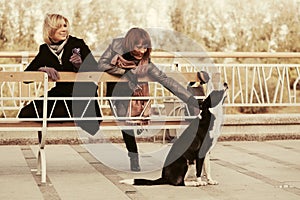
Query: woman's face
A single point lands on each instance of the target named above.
(61, 33)
(139, 51)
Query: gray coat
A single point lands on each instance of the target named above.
(122, 89)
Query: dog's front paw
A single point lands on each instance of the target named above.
(192, 183)
(212, 182)
(201, 182)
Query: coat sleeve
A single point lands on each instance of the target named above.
(36, 63)
(169, 83)
(104, 63)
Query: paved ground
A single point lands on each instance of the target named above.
(245, 170)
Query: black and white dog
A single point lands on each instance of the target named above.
(191, 146)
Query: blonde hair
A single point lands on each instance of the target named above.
(53, 22)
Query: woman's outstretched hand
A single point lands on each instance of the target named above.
(203, 77)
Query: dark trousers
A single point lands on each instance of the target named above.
(129, 139)
(121, 89)
(73, 108)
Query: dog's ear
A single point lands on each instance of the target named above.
(216, 97)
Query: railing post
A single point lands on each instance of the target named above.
(24, 61)
(216, 80)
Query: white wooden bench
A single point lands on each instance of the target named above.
(14, 93)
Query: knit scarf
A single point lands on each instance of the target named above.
(140, 69)
(57, 49)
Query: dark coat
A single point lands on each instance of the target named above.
(122, 89)
(45, 57)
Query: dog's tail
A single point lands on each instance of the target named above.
(140, 181)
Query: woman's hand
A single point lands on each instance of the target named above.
(75, 59)
(203, 77)
(52, 73)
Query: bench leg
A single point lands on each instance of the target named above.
(40, 137)
(41, 160)
(41, 165)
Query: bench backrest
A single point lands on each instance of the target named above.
(13, 96)
(16, 90)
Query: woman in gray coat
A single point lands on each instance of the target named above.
(130, 57)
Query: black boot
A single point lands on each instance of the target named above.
(134, 162)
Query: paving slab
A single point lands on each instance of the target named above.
(16, 181)
(266, 170)
(244, 171)
(74, 178)
(255, 175)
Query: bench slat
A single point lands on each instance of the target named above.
(105, 77)
(104, 123)
(22, 76)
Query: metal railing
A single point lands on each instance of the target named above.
(257, 84)
(250, 84)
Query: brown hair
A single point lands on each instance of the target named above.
(133, 37)
(53, 22)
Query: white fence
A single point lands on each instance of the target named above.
(258, 85)
(250, 85)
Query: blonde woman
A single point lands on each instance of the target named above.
(63, 52)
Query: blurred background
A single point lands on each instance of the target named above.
(220, 25)
(176, 25)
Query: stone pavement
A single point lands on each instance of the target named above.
(267, 170)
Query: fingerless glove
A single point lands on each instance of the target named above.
(203, 77)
